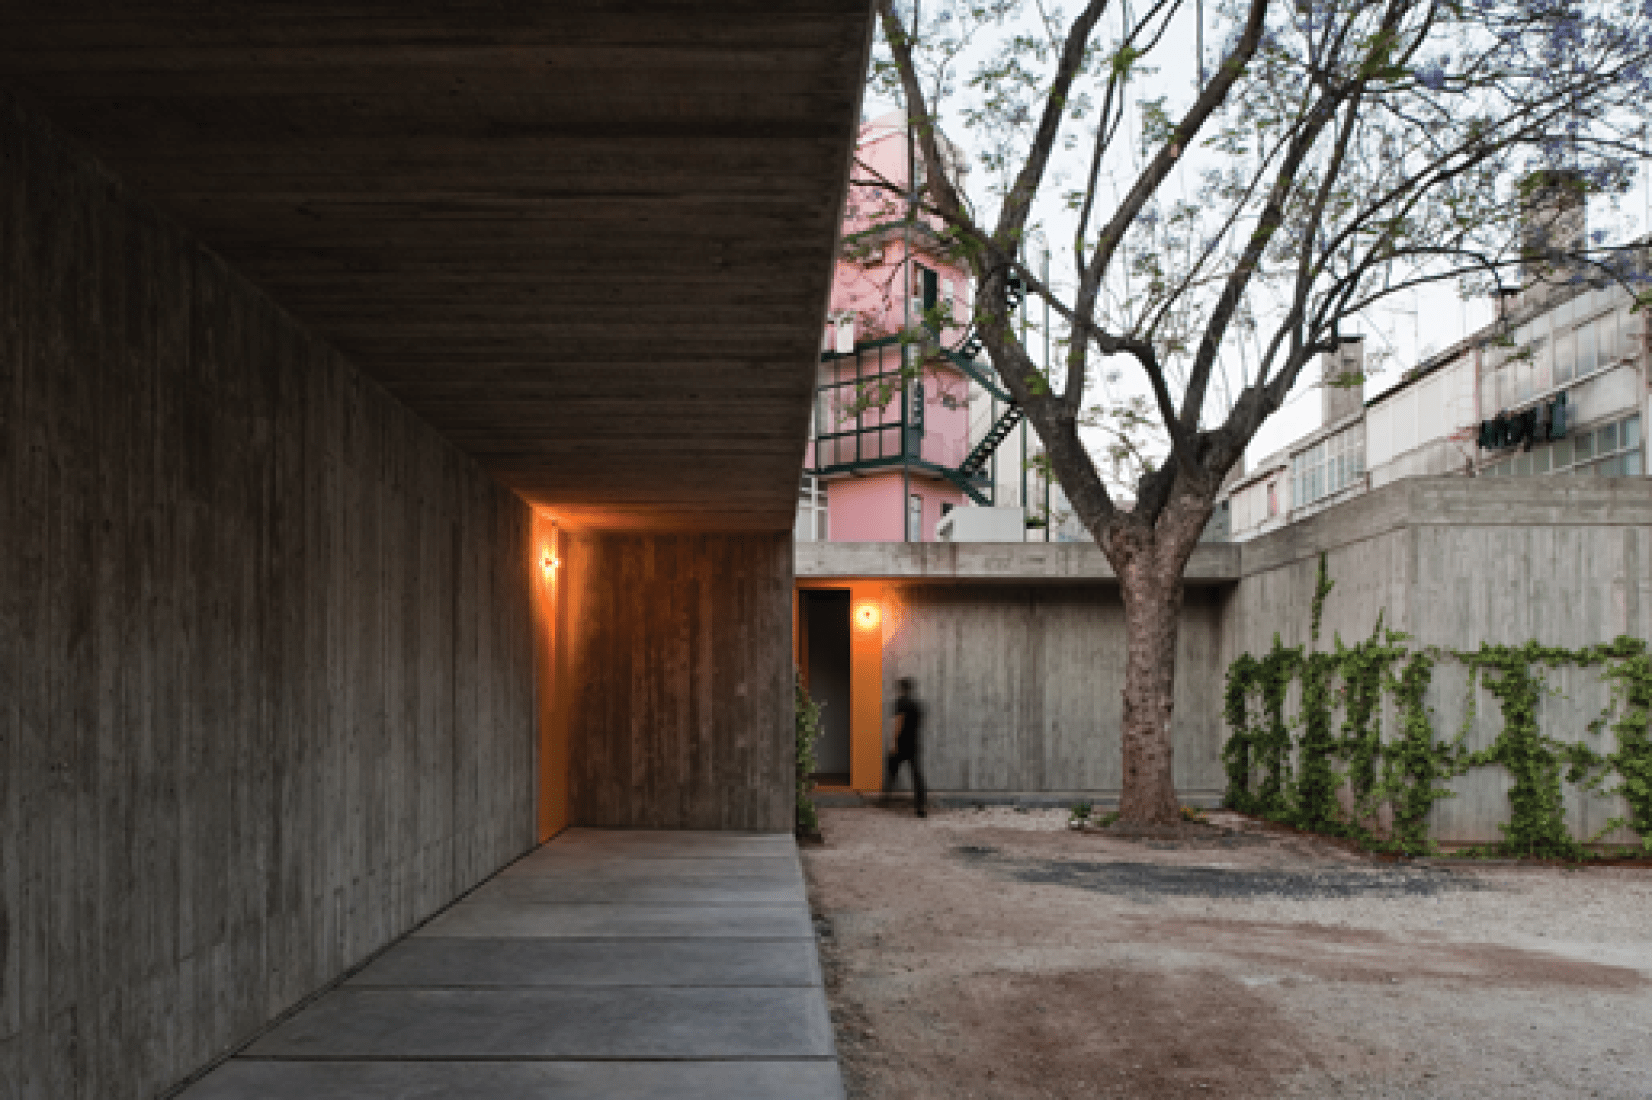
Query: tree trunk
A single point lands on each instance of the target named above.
(1152, 617)
(1150, 579)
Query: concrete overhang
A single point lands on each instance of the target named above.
(591, 243)
(992, 562)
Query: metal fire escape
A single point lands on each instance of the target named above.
(887, 413)
(982, 452)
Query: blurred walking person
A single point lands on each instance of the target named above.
(909, 721)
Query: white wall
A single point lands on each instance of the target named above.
(1609, 392)
(1249, 505)
(1426, 411)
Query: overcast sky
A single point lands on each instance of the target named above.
(1408, 328)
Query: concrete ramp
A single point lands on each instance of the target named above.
(606, 964)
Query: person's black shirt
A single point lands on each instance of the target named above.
(912, 719)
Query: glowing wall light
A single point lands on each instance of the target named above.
(868, 616)
(549, 562)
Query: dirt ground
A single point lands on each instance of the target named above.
(995, 953)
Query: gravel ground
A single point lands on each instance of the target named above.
(995, 953)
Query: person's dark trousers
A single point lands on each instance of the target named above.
(907, 754)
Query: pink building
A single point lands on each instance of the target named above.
(892, 444)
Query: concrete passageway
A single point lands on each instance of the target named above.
(605, 964)
(402, 409)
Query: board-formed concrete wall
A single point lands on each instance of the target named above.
(1023, 685)
(1454, 562)
(266, 694)
(681, 680)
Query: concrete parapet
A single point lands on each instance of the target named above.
(1455, 502)
(988, 562)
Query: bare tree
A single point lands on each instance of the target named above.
(1337, 153)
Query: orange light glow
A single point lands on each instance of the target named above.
(549, 563)
(868, 615)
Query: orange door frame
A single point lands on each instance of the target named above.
(868, 624)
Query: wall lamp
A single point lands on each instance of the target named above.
(549, 563)
(868, 616)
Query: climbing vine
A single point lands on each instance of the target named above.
(1414, 764)
(1630, 677)
(1343, 779)
(1314, 803)
(1236, 754)
(1537, 820)
(1322, 588)
(1364, 671)
(1265, 745)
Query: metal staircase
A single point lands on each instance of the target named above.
(1015, 294)
(976, 461)
(971, 488)
(1015, 290)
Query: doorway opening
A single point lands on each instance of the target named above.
(825, 614)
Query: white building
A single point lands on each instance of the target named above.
(1425, 426)
(1583, 356)
(1557, 385)
(1322, 468)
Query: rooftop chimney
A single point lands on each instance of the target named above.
(1342, 380)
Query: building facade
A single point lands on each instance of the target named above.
(1019, 651)
(1322, 468)
(1556, 386)
(1563, 389)
(909, 421)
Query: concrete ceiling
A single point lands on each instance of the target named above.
(590, 242)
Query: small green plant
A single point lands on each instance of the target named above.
(1195, 815)
(1322, 588)
(808, 732)
(1108, 818)
(1079, 815)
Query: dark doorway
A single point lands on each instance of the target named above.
(826, 644)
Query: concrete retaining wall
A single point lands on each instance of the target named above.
(1018, 652)
(1455, 562)
(1023, 687)
(266, 687)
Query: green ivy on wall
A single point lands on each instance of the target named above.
(1298, 779)
(1364, 669)
(1414, 763)
(1630, 676)
(1265, 744)
(808, 732)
